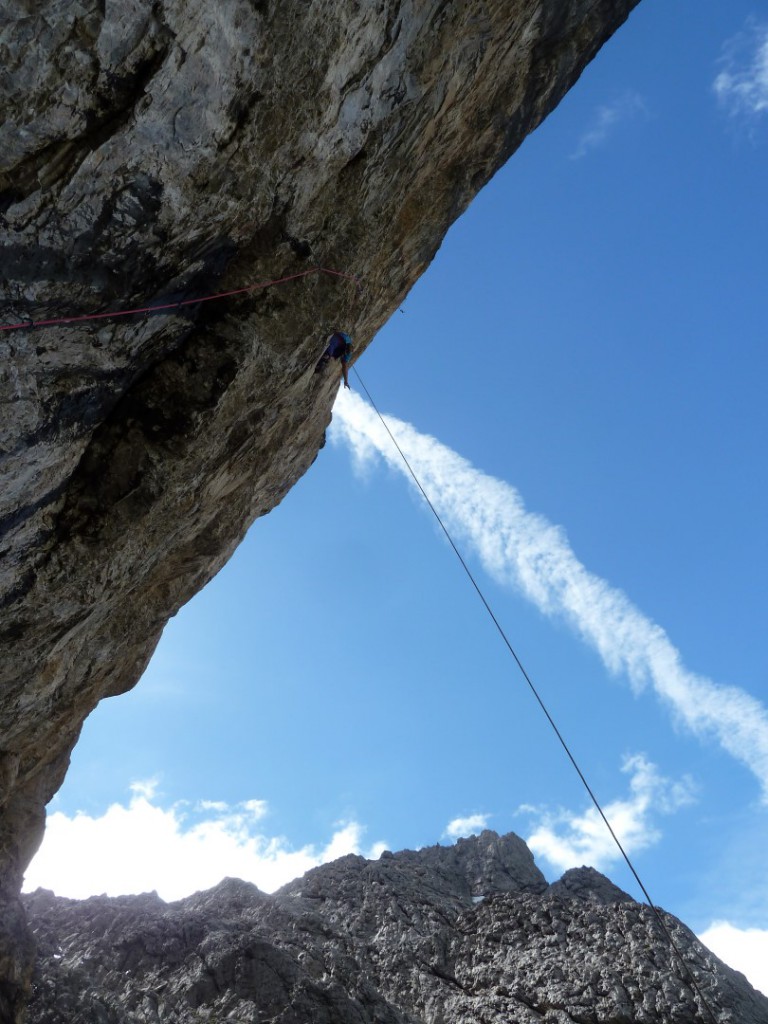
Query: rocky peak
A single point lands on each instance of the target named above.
(399, 940)
(472, 868)
(492, 863)
(588, 884)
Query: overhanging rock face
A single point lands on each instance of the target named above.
(157, 152)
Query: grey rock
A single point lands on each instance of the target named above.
(395, 941)
(157, 152)
(588, 884)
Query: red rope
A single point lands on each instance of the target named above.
(175, 305)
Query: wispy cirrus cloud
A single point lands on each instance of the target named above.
(175, 850)
(607, 119)
(742, 84)
(468, 826)
(525, 551)
(566, 839)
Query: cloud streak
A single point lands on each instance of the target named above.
(176, 850)
(569, 840)
(525, 551)
(607, 118)
(742, 85)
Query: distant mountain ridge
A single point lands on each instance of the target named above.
(464, 934)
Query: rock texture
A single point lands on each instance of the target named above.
(156, 151)
(470, 934)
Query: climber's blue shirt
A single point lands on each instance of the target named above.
(339, 347)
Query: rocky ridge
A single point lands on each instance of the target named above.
(153, 152)
(469, 934)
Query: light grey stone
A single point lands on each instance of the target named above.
(398, 940)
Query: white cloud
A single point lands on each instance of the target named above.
(176, 850)
(524, 550)
(569, 840)
(744, 949)
(212, 805)
(606, 120)
(468, 826)
(144, 787)
(742, 85)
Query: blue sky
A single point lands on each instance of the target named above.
(580, 378)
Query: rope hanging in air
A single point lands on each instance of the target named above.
(541, 703)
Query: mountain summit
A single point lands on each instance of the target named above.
(445, 935)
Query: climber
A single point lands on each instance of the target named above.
(339, 347)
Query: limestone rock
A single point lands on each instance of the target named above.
(156, 152)
(588, 884)
(396, 941)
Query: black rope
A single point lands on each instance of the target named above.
(541, 703)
